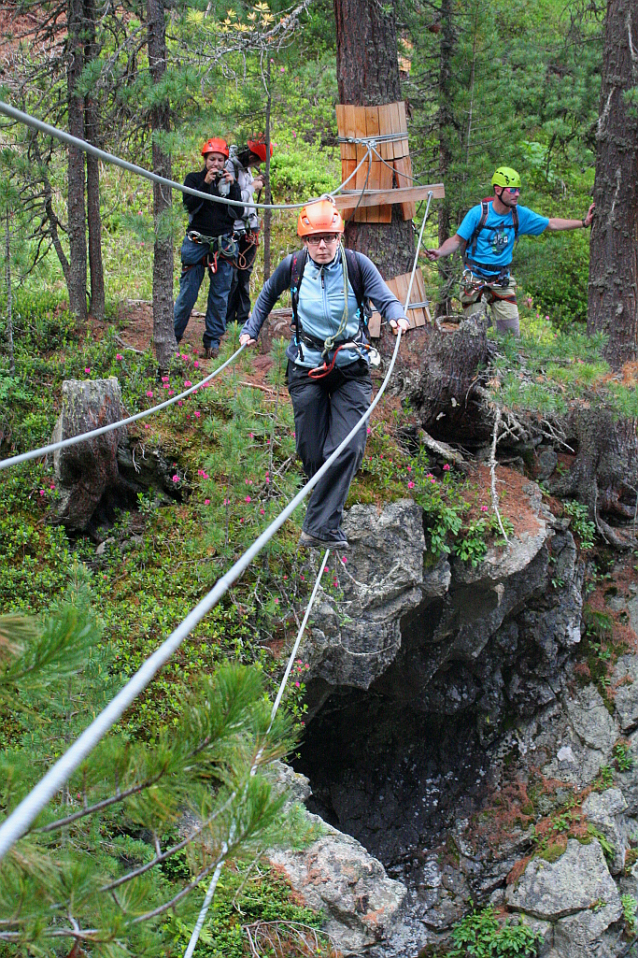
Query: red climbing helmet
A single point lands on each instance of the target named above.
(215, 145)
(320, 217)
(258, 147)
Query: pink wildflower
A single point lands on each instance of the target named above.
(187, 383)
(197, 414)
(409, 468)
(446, 467)
(179, 402)
(41, 492)
(297, 685)
(302, 577)
(267, 480)
(206, 502)
(196, 364)
(165, 386)
(87, 369)
(119, 356)
(52, 486)
(184, 356)
(146, 426)
(170, 392)
(410, 485)
(276, 601)
(484, 508)
(247, 499)
(262, 512)
(150, 394)
(165, 379)
(175, 478)
(252, 435)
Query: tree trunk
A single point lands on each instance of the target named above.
(368, 75)
(75, 199)
(7, 276)
(268, 194)
(163, 332)
(613, 268)
(445, 126)
(93, 174)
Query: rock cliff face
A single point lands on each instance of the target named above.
(443, 701)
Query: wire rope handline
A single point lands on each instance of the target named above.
(86, 147)
(101, 430)
(19, 821)
(192, 944)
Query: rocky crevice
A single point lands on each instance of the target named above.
(437, 692)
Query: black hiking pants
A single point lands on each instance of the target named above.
(325, 412)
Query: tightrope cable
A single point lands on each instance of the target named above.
(84, 436)
(192, 944)
(30, 807)
(86, 147)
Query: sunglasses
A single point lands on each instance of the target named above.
(322, 238)
(512, 189)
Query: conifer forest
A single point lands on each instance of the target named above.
(230, 731)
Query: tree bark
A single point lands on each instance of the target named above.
(91, 129)
(163, 332)
(268, 194)
(368, 75)
(7, 277)
(445, 127)
(613, 268)
(75, 198)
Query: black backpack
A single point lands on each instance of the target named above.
(470, 251)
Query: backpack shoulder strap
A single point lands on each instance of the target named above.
(515, 222)
(485, 209)
(297, 266)
(356, 281)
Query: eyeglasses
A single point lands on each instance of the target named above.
(326, 238)
(512, 189)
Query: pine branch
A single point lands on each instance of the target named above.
(99, 806)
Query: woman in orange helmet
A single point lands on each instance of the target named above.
(328, 358)
(208, 243)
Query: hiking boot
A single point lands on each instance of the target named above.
(307, 541)
(210, 352)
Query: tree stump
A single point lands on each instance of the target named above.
(445, 392)
(85, 471)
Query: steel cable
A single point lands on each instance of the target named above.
(84, 436)
(23, 816)
(79, 144)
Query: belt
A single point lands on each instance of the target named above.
(488, 268)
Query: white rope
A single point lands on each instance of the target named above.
(79, 144)
(30, 807)
(82, 437)
(192, 944)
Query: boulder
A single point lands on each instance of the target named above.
(337, 875)
(606, 811)
(625, 684)
(85, 471)
(354, 640)
(579, 881)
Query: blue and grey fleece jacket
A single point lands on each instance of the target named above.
(321, 300)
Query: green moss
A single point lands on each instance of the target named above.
(552, 853)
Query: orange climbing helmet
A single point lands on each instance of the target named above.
(258, 147)
(320, 217)
(215, 145)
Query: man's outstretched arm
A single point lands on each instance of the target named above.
(447, 248)
(556, 224)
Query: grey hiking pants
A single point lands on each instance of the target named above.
(325, 412)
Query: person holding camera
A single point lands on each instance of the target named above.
(241, 164)
(208, 244)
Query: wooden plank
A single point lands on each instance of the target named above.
(361, 214)
(348, 200)
(374, 213)
(348, 167)
(349, 130)
(403, 167)
(385, 126)
(399, 147)
(420, 296)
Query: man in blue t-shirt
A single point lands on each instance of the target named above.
(487, 236)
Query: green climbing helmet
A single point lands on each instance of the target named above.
(506, 176)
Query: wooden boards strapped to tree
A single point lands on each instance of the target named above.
(392, 161)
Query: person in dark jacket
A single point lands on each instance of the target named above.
(328, 358)
(208, 244)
